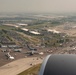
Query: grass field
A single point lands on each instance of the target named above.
(6, 27)
(32, 71)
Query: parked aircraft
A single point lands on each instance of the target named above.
(9, 56)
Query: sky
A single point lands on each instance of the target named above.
(38, 6)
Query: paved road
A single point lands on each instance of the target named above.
(18, 66)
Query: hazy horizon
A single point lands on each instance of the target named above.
(38, 6)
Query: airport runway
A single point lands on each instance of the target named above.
(19, 66)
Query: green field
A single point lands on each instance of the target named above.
(6, 27)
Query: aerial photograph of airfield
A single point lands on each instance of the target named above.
(26, 39)
(32, 32)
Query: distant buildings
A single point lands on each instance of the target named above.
(8, 44)
(24, 29)
(21, 24)
(53, 30)
(34, 32)
(16, 25)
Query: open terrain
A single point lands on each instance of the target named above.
(28, 39)
(18, 66)
(69, 30)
